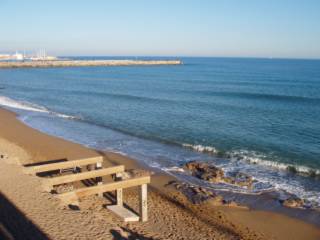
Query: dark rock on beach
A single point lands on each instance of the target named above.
(198, 195)
(214, 174)
(205, 171)
(240, 179)
(293, 202)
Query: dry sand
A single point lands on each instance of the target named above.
(28, 213)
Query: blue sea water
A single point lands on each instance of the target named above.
(258, 116)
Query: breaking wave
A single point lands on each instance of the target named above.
(260, 159)
(27, 106)
(256, 158)
(200, 148)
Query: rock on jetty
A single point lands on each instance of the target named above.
(84, 63)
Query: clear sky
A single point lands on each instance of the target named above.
(246, 28)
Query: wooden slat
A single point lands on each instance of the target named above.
(119, 192)
(144, 203)
(82, 192)
(124, 213)
(62, 165)
(99, 179)
(119, 196)
(50, 182)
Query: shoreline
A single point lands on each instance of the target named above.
(86, 63)
(243, 222)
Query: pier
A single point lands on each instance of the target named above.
(86, 63)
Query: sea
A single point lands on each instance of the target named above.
(257, 116)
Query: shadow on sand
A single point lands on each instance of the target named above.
(127, 234)
(15, 225)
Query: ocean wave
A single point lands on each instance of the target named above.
(253, 157)
(200, 148)
(8, 102)
(27, 106)
(263, 96)
(115, 95)
(260, 159)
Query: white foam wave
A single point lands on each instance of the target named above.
(173, 169)
(64, 115)
(200, 148)
(8, 102)
(255, 158)
(27, 106)
(260, 159)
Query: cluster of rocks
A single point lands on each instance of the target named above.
(198, 195)
(205, 171)
(214, 174)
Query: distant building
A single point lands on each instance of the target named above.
(19, 56)
(41, 55)
(5, 56)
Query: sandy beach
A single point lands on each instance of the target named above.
(26, 212)
(169, 120)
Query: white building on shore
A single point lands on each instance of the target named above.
(39, 56)
(5, 56)
(19, 56)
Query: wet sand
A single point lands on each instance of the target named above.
(26, 212)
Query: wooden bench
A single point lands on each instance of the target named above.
(73, 196)
(63, 165)
(118, 186)
(49, 183)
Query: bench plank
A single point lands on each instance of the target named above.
(124, 213)
(62, 165)
(50, 182)
(87, 191)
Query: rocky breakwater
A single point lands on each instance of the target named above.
(86, 63)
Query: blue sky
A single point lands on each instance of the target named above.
(245, 28)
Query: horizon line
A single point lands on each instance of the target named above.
(196, 56)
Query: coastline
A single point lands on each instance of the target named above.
(86, 63)
(222, 222)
